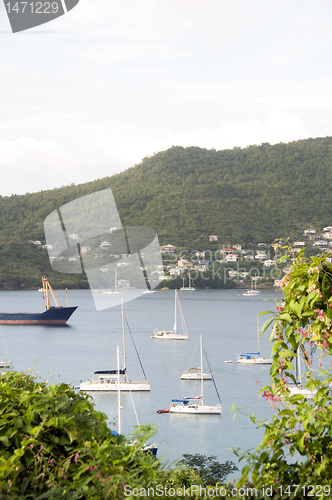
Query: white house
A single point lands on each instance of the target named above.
(213, 237)
(327, 228)
(299, 244)
(176, 271)
(231, 257)
(262, 245)
(105, 244)
(269, 263)
(85, 249)
(310, 232)
(261, 257)
(123, 283)
(73, 236)
(320, 243)
(232, 274)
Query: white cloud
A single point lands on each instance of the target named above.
(119, 80)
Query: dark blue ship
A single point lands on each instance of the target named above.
(54, 315)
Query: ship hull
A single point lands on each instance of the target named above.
(52, 316)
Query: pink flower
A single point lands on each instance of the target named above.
(76, 457)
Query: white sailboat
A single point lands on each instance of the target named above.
(195, 405)
(189, 287)
(195, 374)
(254, 358)
(5, 364)
(109, 380)
(150, 448)
(115, 289)
(172, 334)
(252, 291)
(299, 389)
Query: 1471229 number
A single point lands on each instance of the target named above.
(33, 8)
(309, 491)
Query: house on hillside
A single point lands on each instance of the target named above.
(299, 244)
(310, 232)
(320, 243)
(167, 249)
(213, 237)
(269, 263)
(327, 228)
(231, 257)
(226, 251)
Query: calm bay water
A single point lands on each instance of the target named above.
(228, 322)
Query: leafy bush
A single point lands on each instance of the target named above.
(296, 450)
(55, 445)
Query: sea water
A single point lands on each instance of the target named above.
(228, 322)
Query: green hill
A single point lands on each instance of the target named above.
(244, 196)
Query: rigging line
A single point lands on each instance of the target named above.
(214, 382)
(139, 359)
(132, 400)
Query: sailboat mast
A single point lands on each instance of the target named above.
(202, 384)
(175, 311)
(119, 403)
(123, 341)
(259, 349)
(298, 365)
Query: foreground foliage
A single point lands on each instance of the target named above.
(55, 445)
(209, 469)
(296, 451)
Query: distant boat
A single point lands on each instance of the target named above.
(195, 374)
(54, 315)
(252, 291)
(5, 364)
(254, 358)
(189, 287)
(152, 449)
(298, 388)
(150, 291)
(172, 334)
(194, 405)
(114, 290)
(109, 380)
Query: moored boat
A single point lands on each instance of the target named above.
(54, 315)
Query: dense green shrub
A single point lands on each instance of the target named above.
(294, 458)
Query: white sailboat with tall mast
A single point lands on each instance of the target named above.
(109, 380)
(298, 388)
(251, 292)
(115, 289)
(5, 364)
(195, 374)
(254, 358)
(173, 334)
(150, 448)
(195, 405)
(189, 287)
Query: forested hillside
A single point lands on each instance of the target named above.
(244, 196)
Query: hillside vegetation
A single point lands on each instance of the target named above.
(244, 196)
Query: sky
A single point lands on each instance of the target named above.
(93, 92)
